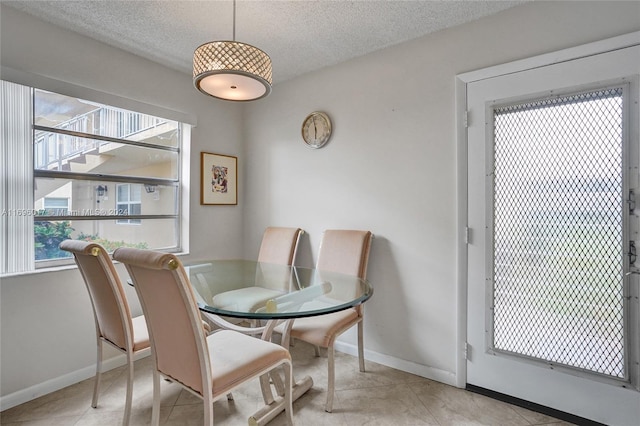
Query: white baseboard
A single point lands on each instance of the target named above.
(36, 391)
(436, 374)
(57, 383)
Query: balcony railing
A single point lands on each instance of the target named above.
(54, 150)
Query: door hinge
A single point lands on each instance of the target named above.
(631, 201)
(467, 235)
(465, 119)
(465, 351)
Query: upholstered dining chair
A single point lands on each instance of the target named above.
(114, 324)
(346, 252)
(207, 365)
(279, 246)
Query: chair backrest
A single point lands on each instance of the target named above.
(279, 245)
(169, 305)
(345, 251)
(110, 307)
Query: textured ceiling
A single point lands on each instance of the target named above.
(300, 36)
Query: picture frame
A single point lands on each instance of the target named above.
(218, 179)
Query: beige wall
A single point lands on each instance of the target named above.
(390, 167)
(46, 329)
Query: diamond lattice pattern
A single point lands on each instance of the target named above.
(232, 55)
(558, 231)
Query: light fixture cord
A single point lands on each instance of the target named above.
(234, 20)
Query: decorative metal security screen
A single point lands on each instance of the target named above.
(558, 248)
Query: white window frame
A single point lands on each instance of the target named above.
(25, 206)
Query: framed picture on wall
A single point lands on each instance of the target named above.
(218, 179)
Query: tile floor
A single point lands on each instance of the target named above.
(380, 396)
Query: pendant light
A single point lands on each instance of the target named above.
(231, 70)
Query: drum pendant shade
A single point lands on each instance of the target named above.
(232, 70)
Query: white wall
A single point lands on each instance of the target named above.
(390, 168)
(47, 328)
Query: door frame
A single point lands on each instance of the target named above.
(464, 235)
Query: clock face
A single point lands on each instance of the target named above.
(316, 129)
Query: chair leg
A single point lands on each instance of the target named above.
(361, 345)
(331, 378)
(155, 408)
(288, 398)
(96, 384)
(127, 405)
(208, 410)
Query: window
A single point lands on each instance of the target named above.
(129, 200)
(558, 230)
(77, 169)
(56, 206)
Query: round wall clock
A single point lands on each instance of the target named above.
(316, 129)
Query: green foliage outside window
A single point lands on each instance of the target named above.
(110, 246)
(49, 235)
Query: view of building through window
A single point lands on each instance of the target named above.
(99, 173)
(98, 158)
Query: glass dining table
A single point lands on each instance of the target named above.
(265, 296)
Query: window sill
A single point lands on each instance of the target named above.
(58, 268)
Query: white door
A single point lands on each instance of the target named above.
(552, 299)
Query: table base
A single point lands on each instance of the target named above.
(270, 411)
